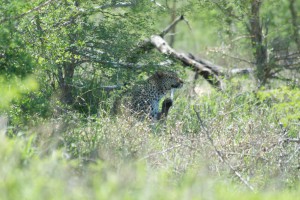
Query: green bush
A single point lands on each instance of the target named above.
(14, 89)
(285, 102)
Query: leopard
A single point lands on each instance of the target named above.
(143, 98)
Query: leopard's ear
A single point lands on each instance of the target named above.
(159, 74)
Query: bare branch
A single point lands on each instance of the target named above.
(116, 5)
(241, 71)
(145, 45)
(164, 48)
(215, 68)
(227, 11)
(110, 87)
(157, 4)
(239, 59)
(168, 28)
(161, 152)
(219, 154)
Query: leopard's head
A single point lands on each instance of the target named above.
(168, 80)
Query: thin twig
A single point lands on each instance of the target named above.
(28, 12)
(188, 24)
(290, 140)
(220, 154)
(160, 152)
(239, 59)
(145, 45)
(293, 155)
(168, 28)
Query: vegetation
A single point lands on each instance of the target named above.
(62, 64)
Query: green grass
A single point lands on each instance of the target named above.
(26, 176)
(73, 156)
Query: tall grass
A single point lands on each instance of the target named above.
(212, 146)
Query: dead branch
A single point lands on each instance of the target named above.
(116, 5)
(157, 4)
(205, 68)
(110, 87)
(219, 153)
(219, 70)
(164, 48)
(161, 152)
(239, 59)
(214, 68)
(146, 45)
(168, 28)
(238, 71)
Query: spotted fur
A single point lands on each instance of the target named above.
(145, 97)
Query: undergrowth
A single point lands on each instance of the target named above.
(219, 145)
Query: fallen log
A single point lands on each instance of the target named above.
(205, 69)
(160, 44)
(219, 70)
(213, 67)
(202, 67)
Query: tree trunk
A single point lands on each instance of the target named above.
(172, 31)
(260, 50)
(65, 82)
(295, 23)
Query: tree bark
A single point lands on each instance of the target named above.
(260, 50)
(145, 45)
(65, 82)
(164, 48)
(295, 23)
(173, 30)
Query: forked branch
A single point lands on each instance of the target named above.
(162, 46)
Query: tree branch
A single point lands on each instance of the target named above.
(156, 41)
(116, 5)
(145, 45)
(28, 12)
(215, 68)
(219, 154)
(168, 28)
(157, 4)
(164, 48)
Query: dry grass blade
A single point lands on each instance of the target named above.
(219, 153)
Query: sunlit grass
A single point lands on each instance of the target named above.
(55, 177)
(74, 156)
